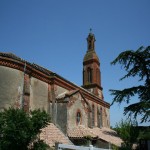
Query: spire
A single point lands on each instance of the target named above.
(91, 53)
(91, 41)
(91, 68)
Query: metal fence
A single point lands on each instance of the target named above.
(73, 147)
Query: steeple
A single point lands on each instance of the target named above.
(91, 41)
(91, 68)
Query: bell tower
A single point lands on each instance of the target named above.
(91, 68)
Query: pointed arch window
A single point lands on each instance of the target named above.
(97, 75)
(93, 116)
(106, 117)
(100, 118)
(89, 73)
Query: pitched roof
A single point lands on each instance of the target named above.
(51, 134)
(105, 134)
(108, 135)
(13, 56)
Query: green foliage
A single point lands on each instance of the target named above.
(136, 63)
(39, 145)
(88, 137)
(19, 129)
(114, 147)
(128, 132)
(144, 133)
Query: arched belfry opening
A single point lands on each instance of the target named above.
(89, 75)
(91, 67)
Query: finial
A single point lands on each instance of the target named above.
(90, 30)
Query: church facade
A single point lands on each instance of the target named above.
(77, 111)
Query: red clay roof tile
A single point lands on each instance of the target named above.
(51, 134)
(105, 134)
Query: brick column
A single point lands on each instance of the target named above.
(26, 93)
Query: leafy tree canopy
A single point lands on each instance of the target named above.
(129, 133)
(135, 63)
(19, 130)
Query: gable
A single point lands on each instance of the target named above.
(77, 107)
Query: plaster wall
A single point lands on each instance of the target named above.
(11, 85)
(61, 116)
(59, 90)
(38, 94)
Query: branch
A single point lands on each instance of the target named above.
(138, 109)
(125, 94)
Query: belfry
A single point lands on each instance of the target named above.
(91, 68)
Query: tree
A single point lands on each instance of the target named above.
(20, 130)
(136, 63)
(128, 132)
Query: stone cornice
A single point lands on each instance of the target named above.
(20, 65)
(92, 85)
(95, 99)
(91, 61)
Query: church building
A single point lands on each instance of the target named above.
(78, 113)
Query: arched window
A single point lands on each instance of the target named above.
(93, 119)
(101, 118)
(83, 77)
(106, 117)
(89, 72)
(78, 117)
(97, 75)
(98, 117)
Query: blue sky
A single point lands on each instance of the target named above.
(53, 34)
